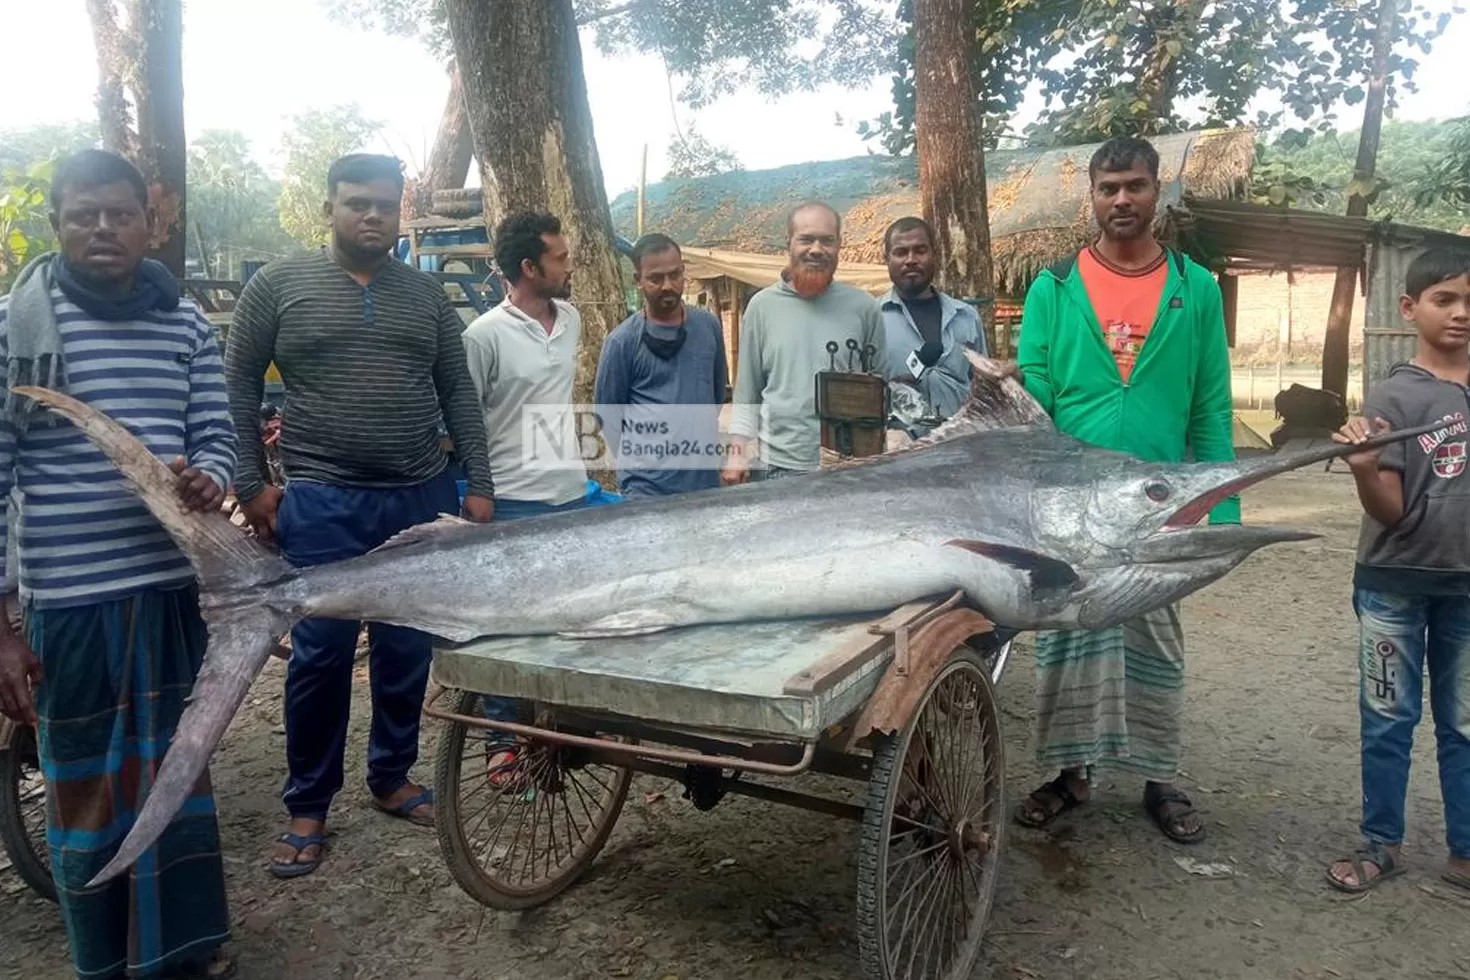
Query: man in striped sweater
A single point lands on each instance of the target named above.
(370, 353)
(113, 637)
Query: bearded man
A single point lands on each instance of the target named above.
(783, 344)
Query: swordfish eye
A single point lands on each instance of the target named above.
(1157, 490)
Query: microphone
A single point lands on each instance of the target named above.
(921, 360)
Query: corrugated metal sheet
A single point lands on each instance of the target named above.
(1274, 237)
(1255, 235)
(1387, 338)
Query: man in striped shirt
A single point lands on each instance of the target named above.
(113, 636)
(370, 354)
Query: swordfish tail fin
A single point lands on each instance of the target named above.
(235, 576)
(241, 640)
(223, 556)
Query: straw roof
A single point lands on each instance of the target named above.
(762, 269)
(1039, 206)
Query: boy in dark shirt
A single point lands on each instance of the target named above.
(1411, 587)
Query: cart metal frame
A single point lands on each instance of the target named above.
(22, 790)
(927, 742)
(23, 808)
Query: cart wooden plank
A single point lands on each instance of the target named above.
(731, 678)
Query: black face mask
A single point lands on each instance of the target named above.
(661, 347)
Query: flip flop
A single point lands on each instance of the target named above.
(508, 777)
(404, 810)
(1153, 803)
(295, 867)
(1371, 852)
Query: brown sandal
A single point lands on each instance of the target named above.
(1372, 853)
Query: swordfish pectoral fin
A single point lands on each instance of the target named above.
(632, 622)
(611, 634)
(1047, 575)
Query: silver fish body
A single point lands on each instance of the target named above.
(1039, 530)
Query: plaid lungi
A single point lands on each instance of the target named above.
(1113, 696)
(115, 678)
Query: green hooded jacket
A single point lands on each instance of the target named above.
(1176, 402)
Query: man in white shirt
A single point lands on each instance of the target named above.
(523, 359)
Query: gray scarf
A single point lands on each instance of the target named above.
(35, 356)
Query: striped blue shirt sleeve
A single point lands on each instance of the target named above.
(210, 435)
(7, 446)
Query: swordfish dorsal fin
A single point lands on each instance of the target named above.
(423, 532)
(997, 400)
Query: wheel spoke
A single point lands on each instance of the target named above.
(915, 854)
(924, 792)
(940, 790)
(510, 846)
(925, 909)
(931, 869)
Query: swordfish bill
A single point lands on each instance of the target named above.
(1039, 530)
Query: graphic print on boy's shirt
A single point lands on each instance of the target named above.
(1448, 457)
(1124, 301)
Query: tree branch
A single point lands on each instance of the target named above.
(610, 12)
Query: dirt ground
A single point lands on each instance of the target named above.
(1270, 755)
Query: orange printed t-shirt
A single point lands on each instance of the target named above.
(1124, 301)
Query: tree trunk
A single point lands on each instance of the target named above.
(147, 59)
(116, 62)
(521, 68)
(449, 160)
(951, 157)
(1340, 313)
(163, 156)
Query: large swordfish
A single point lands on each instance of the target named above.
(1039, 530)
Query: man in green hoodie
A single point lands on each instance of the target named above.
(1124, 346)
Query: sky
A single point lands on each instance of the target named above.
(252, 71)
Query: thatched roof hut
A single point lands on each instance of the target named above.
(1039, 207)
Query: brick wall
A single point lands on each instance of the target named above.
(1264, 301)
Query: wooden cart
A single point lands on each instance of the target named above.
(904, 703)
(23, 808)
(22, 790)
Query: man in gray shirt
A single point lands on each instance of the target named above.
(370, 353)
(783, 344)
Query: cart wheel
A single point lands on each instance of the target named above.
(932, 832)
(520, 844)
(23, 811)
